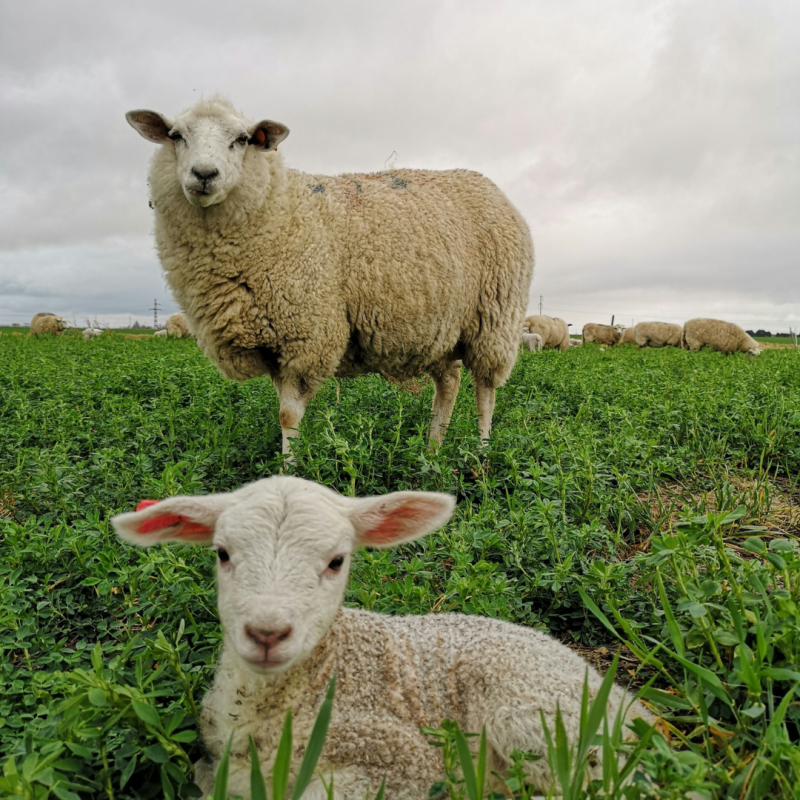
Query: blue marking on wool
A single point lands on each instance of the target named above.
(317, 189)
(398, 183)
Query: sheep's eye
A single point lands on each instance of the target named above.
(223, 556)
(336, 564)
(241, 140)
(175, 136)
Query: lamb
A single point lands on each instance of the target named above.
(533, 341)
(658, 334)
(303, 277)
(602, 334)
(718, 335)
(178, 327)
(284, 547)
(162, 334)
(628, 336)
(45, 322)
(92, 333)
(575, 342)
(553, 330)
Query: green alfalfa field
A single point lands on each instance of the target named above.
(643, 503)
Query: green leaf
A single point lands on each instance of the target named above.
(97, 697)
(754, 712)
(156, 753)
(223, 770)
(183, 736)
(672, 624)
(467, 767)
(315, 743)
(725, 638)
(283, 760)
(62, 793)
(127, 772)
(780, 674)
(754, 545)
(258, 788)
(146, 712)
(166, 785)
(776, 561)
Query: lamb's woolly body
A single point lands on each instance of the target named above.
(718, 335)
(162, 334)
(46, 322)
(553, 330)
(628, 336)
(92, 333)
(178, 327)
(302, 277)
(533, 341)
(658, 334)
(394, 675)
(601, 334)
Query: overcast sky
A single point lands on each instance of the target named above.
(653, 147)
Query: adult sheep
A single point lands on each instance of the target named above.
(553, 330)
(45, 322)
(718, 335)
(628, 336)
(178, 327)
(284, 548)
(658, 334)
(302, 277)
(602, 334)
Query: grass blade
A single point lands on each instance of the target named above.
(258, 788)
(223, 770)
(283, 760)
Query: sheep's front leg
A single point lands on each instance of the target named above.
(484, 395)
(293, 394)
(444, 400)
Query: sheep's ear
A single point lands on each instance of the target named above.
(150, 124)
(178, 519)
(399, 517)
(267, 134)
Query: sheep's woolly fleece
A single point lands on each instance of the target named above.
(602, 334)
(178, 327)
(718, 335)
(628, 336)
(46, 322)
(657, 334)
(302, 277)
(553, 330)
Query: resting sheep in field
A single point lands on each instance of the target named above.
(178, 326)
(47, 323)
(602, 334)
(92, 333)
(628, 336)
(718, 335)
(575, 342)
(658, 334)
(553, 330)
(284, 548)
(533, 341)
(302, 277)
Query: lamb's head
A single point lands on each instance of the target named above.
(284, 548)
(210, 142)
(619, 330)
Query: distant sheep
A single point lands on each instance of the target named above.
(178, 327)
(284, 548)
(162, 334)
(718, 335)
(628, 336)
(302, 277)
(553, 330)
(658, 334)
(533, 341)
(46, 322)
(91, 333)
(602, 334)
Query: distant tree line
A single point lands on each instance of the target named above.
(767, 333)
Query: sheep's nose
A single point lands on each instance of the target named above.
(205, 173)
(268, 638)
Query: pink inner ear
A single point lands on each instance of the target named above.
(393, 526)
(189, 528)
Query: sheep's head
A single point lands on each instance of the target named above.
(619, 330)
(284, 548)
(210, 142)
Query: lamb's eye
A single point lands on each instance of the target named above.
(223, 556)
(175, 136)
(336, 564)
(241, 140)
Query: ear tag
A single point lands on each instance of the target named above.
(167, 520)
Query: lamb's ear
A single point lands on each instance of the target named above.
(267, 134)
(391, 519)
(150, 124)
(178, 519)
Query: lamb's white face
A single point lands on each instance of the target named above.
(620, 329)
(209, 148)
(284, 547)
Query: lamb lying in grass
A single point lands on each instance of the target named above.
(284, 548)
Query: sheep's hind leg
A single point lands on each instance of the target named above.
(485, 396)
(444, 400)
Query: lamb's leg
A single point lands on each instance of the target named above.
(293, 395)
(484, 394)
(444, 399)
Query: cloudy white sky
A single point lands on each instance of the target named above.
(653, 147)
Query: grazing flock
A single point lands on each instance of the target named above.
(302, 277)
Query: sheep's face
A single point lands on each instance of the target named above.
(210, 143)
(284, 547)
(619, 330)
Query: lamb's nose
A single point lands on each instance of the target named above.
(205, 173)
(268, 638)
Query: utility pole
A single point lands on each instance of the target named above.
(155, 309)
(540, 304)
(612, 320)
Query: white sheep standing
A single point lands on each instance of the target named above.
(302, 277)
(718, 335)
(91, 333)
(533, 341)
(284, 548)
